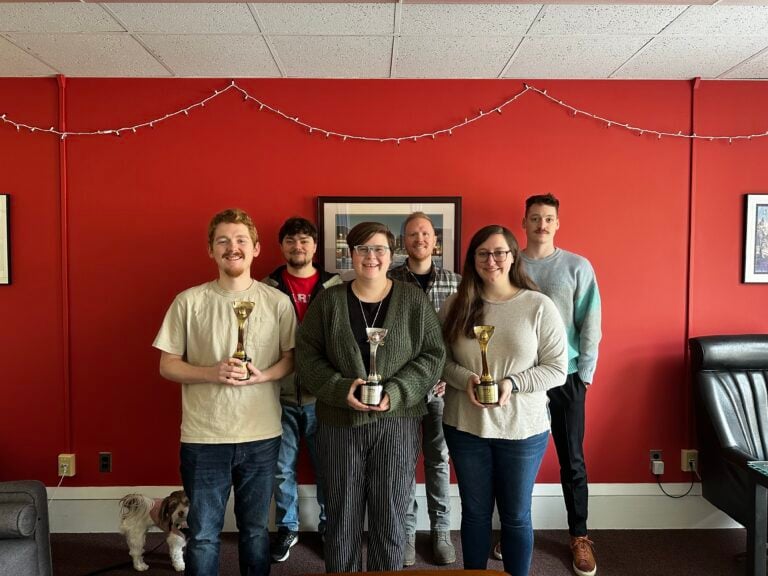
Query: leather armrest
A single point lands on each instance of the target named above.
(737, 456)
(17, 519)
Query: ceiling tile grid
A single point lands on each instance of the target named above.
(690, 56)
(607, 20)
(213, 55)
(453, 56)
(42, 17)
(107, 55)
(573, 56)
(186, 18)
(467, 19)
(15, 62)
(327, 19)
(380, 39)
(334, 56)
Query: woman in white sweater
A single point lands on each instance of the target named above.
(497, 449)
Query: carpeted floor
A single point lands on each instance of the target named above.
(619, 553)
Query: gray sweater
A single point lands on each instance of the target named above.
(410, 361)
(528, 344)
(570, 281)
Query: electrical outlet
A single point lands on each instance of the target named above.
(689, 460)
(656, 462)
(105, 461)
(66, 464)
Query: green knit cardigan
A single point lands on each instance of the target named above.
(410, 361)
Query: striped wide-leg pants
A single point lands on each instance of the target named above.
(369, 466)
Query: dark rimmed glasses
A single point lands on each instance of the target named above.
(498, 255)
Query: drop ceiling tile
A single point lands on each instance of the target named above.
(603, 19)
(469, 19)
(213, 55)
(331, 19)
(453, 56)
(711, 20)
(42, 17)
(108, 55)
(334, 56)
(669, 57)
(203, 18)
(754, 69)
(15, 62)
(573, 56)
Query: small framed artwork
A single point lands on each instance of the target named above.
(5, 238)
(756, 239)
(336, 215)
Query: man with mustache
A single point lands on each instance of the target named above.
(437, 283)
(301, 280)
(230, 424)
(569, 280)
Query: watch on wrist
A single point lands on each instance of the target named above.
(515, 389)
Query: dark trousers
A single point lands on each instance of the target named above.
(566, 407)
(367, 468)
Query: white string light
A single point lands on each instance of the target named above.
(575, 112)
(642, 131)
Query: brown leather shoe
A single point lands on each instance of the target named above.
(584, 563)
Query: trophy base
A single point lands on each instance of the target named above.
(245, 360)
(371, 393)
(487, 393)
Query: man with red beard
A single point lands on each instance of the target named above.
(437, 283)
(301, 280)
(230, 427)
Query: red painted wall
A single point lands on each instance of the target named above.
(138, 207)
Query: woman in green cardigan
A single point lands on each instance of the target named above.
(368, 452)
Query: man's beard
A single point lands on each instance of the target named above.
(299, 260)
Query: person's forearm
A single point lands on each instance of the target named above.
(177, 370)
(279, 369)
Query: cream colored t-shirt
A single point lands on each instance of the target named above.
(201, 327)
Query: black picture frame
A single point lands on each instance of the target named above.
(5, 239)
(337, 214)
(755, 269)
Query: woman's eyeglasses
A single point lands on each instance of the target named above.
(376, 249)
(483, 255)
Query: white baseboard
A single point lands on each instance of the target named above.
(611, 506)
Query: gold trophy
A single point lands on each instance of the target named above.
(487, 392)
(371, 390)
(243, 309)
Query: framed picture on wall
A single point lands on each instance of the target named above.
(336, 215)
(756, 239)
(5, 237)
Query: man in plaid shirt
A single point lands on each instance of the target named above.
(438, 284)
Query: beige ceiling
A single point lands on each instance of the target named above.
(413, 39)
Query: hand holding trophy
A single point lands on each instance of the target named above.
(487, 392)
(243, 310)
(371, 390)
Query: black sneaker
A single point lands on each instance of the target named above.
(281, 547)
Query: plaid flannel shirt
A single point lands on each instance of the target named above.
(442, 282)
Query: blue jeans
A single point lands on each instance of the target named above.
(503, 471)
(297, 421)
(208, 472)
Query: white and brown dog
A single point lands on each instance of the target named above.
(138, 513)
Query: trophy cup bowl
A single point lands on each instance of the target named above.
(487, 392)
(371, 390)
(243, 310)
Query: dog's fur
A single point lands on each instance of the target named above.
(170, 515)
